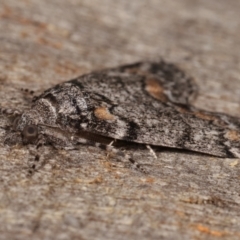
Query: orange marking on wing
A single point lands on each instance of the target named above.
(232, 135)
(205, 116)
(154, 88)
(103, 114)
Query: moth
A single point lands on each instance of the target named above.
(146, 102)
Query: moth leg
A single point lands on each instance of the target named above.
(10, 112)
(35, 164)
(122, 156)
(37, 161)
(151, 151)
(40, 141)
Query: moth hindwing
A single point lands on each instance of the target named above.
(146, 103)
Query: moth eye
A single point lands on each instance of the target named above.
(30, 132)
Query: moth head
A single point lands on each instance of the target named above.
(23, 131)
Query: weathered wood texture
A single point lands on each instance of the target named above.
(82, 194)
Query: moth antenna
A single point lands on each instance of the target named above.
(29, 94)
(10, 112)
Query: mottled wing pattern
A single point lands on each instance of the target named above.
(146, 103)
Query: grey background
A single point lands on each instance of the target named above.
(85, 194)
